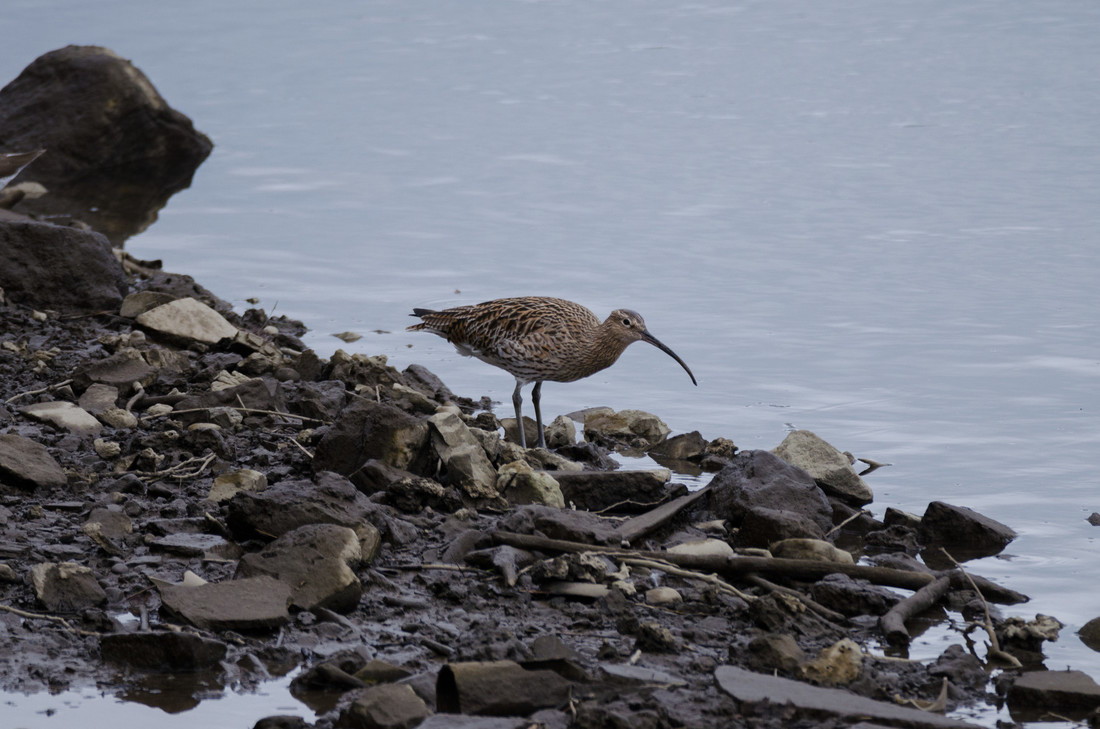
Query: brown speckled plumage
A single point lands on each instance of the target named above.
(539, 338)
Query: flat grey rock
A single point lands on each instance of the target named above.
(1055, 689)
(66, 587)
(626, 673)
(255, 603)
(747, 687)
(23, 462)
(162, 650)
(187, 318)
(64, 415)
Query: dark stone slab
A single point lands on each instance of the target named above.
(749, 688)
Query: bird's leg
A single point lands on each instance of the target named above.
(517, 400)
(536, 395)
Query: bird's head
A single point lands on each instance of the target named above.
(627, 327)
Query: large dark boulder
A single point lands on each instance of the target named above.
(759, 489)
(55, 267)
(369, 430)
(115, 150)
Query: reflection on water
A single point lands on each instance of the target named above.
(158, 702)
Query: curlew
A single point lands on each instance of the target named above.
(538, 338)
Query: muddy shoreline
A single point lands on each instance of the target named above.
(190, 496)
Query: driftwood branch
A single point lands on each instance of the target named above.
(739, 567)
(893, 622)
(643, 524)
(814, 605)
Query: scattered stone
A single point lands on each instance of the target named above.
(498, 688)
(775, 651)
(751, 689)
(1090, 634)
(831, 469)
(387, 706)
(66, 587)
(316, 562)
(813, 549)
(960, 667)
(626, 428)
(837, 664)
(634, 491)
(1055, 690)
(252, 604)
(897, 517)
(655, 638)
(369, 430)
(140, 302)
(257, 394)
(112, 522)
(684, 447)
(376, 671)
(521, 484)
(64, 415)
(560, 432)
(287, 505)
(964, 532)
(120, 370)
(106, 449)
(576, 526)
(769, 499)
(98, 397)
(227, 485)
(57, 267)
(632, 674)
(187, 319)
(162, 650)
(703, 548)
(27, 464)
(207, 546)
(464, 460)
(663, 596)
(852, 597)
(1015, 633)
(119, 418)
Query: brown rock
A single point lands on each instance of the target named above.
(116, 150)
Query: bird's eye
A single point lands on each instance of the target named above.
(626, 322)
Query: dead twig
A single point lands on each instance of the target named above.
(179, 470)
(240, 409)
(809, 602)
(138, 395)
(52, 618)
(844, 523)
(995, 651)
(668, 567)
(29, 393)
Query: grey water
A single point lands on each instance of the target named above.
(876, 221)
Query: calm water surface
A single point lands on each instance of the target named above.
(876, 221)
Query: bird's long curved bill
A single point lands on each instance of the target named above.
(646, 336)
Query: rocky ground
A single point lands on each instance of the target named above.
(190, 497)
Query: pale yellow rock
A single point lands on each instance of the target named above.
(106, 448)
(703, 548)
(119, 418)
(227, 485)
(837, 665)
(663, 596)
(815, 549)
(188, 318)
